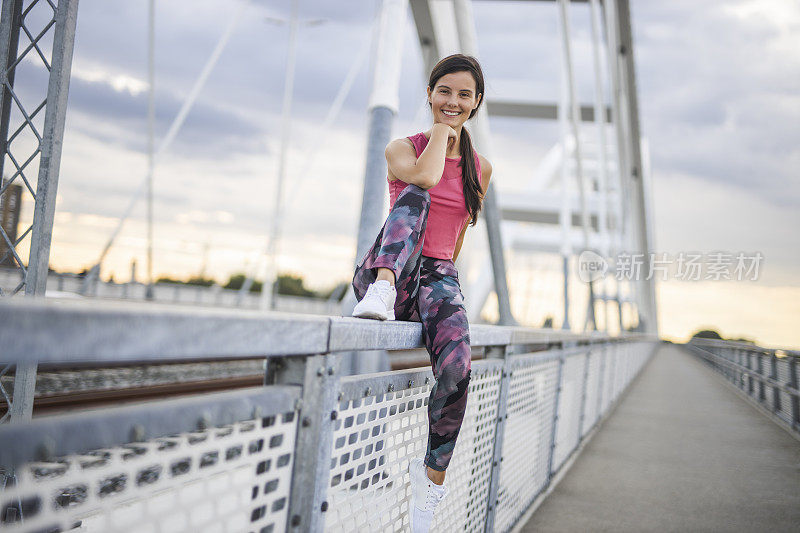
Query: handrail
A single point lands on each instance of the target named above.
(113, 332)
(722, 343)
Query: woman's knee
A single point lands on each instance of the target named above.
(416, 190)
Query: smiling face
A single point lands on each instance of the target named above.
(453, 98)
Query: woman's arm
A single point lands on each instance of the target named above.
(425, 171)
(486, 176)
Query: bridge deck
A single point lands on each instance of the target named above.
(682, 452)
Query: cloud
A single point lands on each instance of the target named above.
(719, 95)
(692, 215)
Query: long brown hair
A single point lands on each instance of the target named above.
(473, 193)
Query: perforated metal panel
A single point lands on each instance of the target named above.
(592, 403)
(469, 473)
(731, 372)
(374, 439)
(569, 406)
(741, 358)
(638, 357)
(378, 434)
(737, 357)
(628, 352)
(768, 394)
(628, 360)
(232, 478)
(752, 386)
(616, 373)
(527, 436)
(785, 410)
(608, 369)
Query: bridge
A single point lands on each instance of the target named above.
(149, 406)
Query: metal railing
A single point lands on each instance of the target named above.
(312, 449)
(768, 377)
(72, 285)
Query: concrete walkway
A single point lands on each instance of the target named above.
(682, 452)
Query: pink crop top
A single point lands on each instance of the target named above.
(448, 213)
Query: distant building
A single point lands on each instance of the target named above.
(10, 207)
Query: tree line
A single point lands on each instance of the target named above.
(287, 284)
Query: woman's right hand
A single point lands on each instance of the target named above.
(451, 134)
(451, 138)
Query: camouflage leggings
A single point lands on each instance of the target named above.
(428, 291)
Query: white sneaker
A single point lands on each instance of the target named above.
(425, 497)
(378, 302)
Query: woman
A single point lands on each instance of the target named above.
(437, 183)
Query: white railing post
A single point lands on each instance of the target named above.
(561, 361)
(500, 424)
(584, 397)
(319, 377)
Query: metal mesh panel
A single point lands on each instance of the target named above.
(376, 436)
(638, 357)
(527, 436)
(785, 411)
(628, 353)
(765, 394)
(766, 371)
(752, 386)
(731, 372)
(744, 360)
(630, 364)
(725, 371)
(608, 377)
(592, 402)
(747, 381)
(614, 375)
(569, 405)
(232, 478)
(470, 472)
(741, 358)
(738, 358)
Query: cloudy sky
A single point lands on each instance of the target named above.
(719, 97)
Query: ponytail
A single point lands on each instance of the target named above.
(473, 192)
